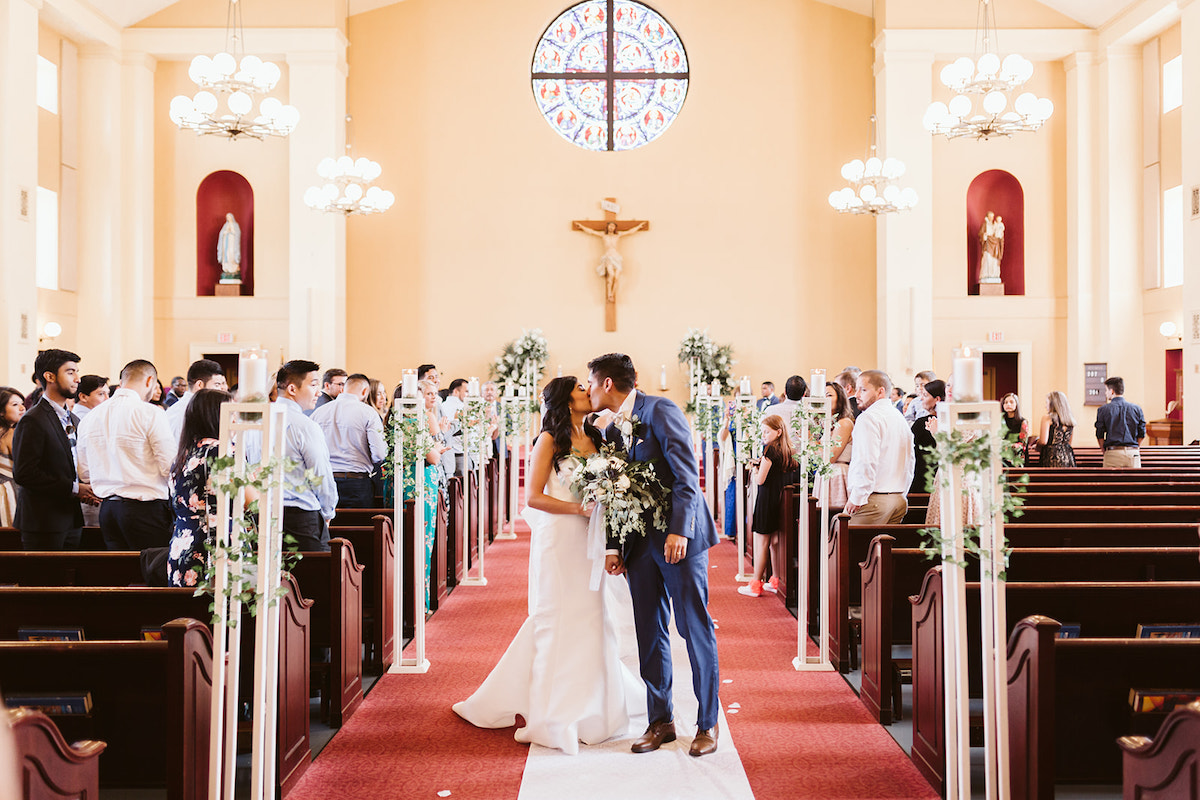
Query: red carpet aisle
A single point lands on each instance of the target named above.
(800, 735)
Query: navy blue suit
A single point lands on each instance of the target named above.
(664, 438)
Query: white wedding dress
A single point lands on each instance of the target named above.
(562, 672)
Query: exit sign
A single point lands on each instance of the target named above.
(224, 338)
(996, 336)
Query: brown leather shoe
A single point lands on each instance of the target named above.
(658, 734)
(704, 743)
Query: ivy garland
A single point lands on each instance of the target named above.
(750, 419)
(473, 419)
(812, 447)
(413, 429)
(957, 450)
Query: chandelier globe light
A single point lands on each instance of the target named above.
(872, 184)
(986, 102)
(240, 79)
(347, 187)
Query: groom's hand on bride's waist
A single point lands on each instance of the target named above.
(676, 548)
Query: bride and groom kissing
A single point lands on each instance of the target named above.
(562, 672)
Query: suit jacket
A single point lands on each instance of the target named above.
(663, 437)
(45, 471)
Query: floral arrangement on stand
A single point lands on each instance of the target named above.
(528, 350)
(812, 447)
(970, 454)
(474, 421)
(625, 489)
(749, 418)
(715, 362)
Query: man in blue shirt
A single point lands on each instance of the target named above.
(1120, 428)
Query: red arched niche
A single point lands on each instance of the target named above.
(1001, 193)
(220, 193)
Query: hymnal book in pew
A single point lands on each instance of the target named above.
(1161, 700)
(1068, 632)
(151, 634)
(1168, 632)
(73, 704)
(45, 634)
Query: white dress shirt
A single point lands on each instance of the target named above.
(175, 414)
(354, 433)
(126, 448)
(883, 458)
(452, 407)
(785, 410)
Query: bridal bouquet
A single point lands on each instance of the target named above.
(625, 489)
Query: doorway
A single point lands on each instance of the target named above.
(229, 363)
(1174, 374)
(999, 375)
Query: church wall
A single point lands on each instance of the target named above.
(181, 161)
(742, 240)
(1037, 319)
(963, 14)
(255, 14)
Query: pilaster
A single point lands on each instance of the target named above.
(1191, 225)
(137, 217)
(1082, 207)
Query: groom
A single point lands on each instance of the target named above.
(666, 566)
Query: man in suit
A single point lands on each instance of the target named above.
(665, 567)
(48, 511)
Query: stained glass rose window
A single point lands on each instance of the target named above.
(610, 74)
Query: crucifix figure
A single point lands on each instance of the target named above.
(610, 230)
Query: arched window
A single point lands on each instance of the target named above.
(999, 193)
(610, 74)
(221, 193)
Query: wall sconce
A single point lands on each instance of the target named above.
(1170, 332)
(50, 332)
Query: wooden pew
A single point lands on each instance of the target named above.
(49, 767)
(1166, 766)
(1102, 496)
(115, 614)
(1109, 513)
(1068, 700)
(890, 576)
(151, 702)
(359, 517)
(375, 549)
(1106, 610)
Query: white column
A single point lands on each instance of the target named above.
(136, 336)
(1082, 208)
(1191, 225)
(1119, 251)
(101, 285)
(18, 188)
(316, 241)
(904, 243)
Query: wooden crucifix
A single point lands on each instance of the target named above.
(610, 230)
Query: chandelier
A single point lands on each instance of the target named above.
(347, 188)
(241, 78)
(872, 188)
(992, 82)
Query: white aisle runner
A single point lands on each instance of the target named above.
(610, 770)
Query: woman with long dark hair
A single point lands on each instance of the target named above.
(840, 449)
(193, 498)
(12, 408)
(562, 671)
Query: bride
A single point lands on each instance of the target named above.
(562, 671)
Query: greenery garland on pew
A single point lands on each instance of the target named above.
(812, 447)
(971, 453)
(708, 424)
(413, 428)
(750, 418)
(263, 477)
(473, 419)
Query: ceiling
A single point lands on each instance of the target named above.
(1092, 13)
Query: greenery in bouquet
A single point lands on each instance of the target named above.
(747, 420)
(529, 348)
(626, 489)
(715, 362)
(812, 447)
(413, 431)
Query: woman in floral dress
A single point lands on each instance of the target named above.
(193, 498)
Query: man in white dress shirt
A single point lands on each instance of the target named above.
(125, 452)
(882, 464)
(452, 406)
(354, 433)
(202, 374)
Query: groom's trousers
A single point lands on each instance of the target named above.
(655, 585)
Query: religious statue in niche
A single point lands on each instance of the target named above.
(229, 251)
(991, 248)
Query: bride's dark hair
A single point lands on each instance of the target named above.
(556, 421)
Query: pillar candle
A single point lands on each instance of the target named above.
(473, 387)
(560, 370)
(409, 386)
(745, 385)
(510, 389)
(662, 380)
(816, 383)
(967, 375)
(252, 374)
(716, 388)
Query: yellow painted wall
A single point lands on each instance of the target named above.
(964, 13)
(54, 305)
(479, 244)
(181, 161)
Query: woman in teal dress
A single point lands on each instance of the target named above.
(434, 477)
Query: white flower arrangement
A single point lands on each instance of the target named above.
(529, 349)
(715, 361)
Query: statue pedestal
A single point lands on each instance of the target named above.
(991, 290)
(235, 290)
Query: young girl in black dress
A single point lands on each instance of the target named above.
(775, 470)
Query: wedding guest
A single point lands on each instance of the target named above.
(43, 450)
(849, 384)
(179, 387)
(491, 397)
(125, 453)
(93, 390)
(193, 497)
(202, 374)
(768, 396)
(841, 449)
(1016, 427)
(12, 408)
(1120, 427)
(307, 507)
(923, 442)
(354, 434)
(727, 459)
(452, 407)
(378, 397)
(156, 394)
(898, 398)
(1055, 431)
(333, 383)
(794, 392)
(917, 409)
(774, 471)
(881, 466)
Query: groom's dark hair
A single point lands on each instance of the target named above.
(617, 366)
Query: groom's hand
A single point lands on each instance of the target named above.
(676, 548)
(613, 565)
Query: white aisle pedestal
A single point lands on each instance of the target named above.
(505, 530)
(231, 574)
(708, 410)
(745, 449)
(473, 429)
(409, 406)
(821, 409)
(979, 418)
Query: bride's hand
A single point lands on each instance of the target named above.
(585, 508)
